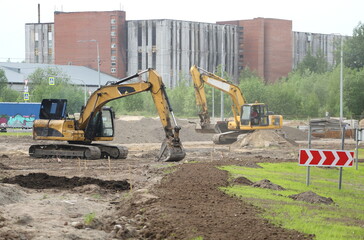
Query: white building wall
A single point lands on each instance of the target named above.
(181, 44)
(39, 43)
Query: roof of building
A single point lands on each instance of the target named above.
(16, 73)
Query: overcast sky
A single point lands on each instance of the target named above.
(317, 16)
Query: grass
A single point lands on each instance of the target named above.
(89, 218)
(360, 153)
(16, 134)
(342, 220)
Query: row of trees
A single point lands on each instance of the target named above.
(311, 90)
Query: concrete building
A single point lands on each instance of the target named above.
(172, 47)
(106, 41)
(39, 43)
(316, 43)
(267, 46)
(93, 39)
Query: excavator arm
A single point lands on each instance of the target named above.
(200, 77)
(172, 149)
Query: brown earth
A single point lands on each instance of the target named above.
(137, 198)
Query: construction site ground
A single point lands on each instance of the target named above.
(138, 197)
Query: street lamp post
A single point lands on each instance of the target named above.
(98, 56)
(84, 88)
(341, 80)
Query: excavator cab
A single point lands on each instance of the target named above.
(254, 115)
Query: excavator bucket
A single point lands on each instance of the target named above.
(171, 151)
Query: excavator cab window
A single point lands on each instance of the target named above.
(255, 115)
(53, 109)
(102, 124)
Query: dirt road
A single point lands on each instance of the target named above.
(135, 198)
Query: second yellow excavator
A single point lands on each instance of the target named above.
(96, 123)
(248, 117)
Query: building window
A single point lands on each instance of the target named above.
(113, 58)
(139, 61)
(113, 45)
(113, 40)
(113, 63)
(113, 33)
(113, 70)
(113, 52)
(113, 27)
(113, 21)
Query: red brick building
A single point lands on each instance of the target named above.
(104, 32)
(267, 46)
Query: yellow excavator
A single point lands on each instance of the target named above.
(96, 123)
(248, 117)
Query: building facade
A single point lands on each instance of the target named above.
(267, 46)
(317, 44)
(106, 41)
(93, 39)
(39, 43)
(172, 47)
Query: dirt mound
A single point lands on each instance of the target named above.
(150, 130)
(44, 181)
(243, 181)
(265, 183)
(294, 133)
(9, 194)
(203, 210)
(262, 139)
(311, 197)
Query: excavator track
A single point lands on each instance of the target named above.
(116, 152)
(93, 151)
(227, 137)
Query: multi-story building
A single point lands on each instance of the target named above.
(39, 43)
(106, 41)
(93, 39)
(172, 47)
(267, 46)
(317, 44)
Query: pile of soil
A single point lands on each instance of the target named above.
(265, 183)
(150, 130)
(311, 197)
(242, 181)
(262, 139)
(294, 134)
(44, 181)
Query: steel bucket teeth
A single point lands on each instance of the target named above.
(171, 152)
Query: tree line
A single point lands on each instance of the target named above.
(311, 90)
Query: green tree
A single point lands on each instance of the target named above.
(316, 64)
(39, 88)
(354, 48)
(7, 94)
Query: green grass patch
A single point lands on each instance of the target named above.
(16, 134)
(360, 153)
(342, 220)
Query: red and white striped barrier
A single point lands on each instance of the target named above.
(326, 158)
